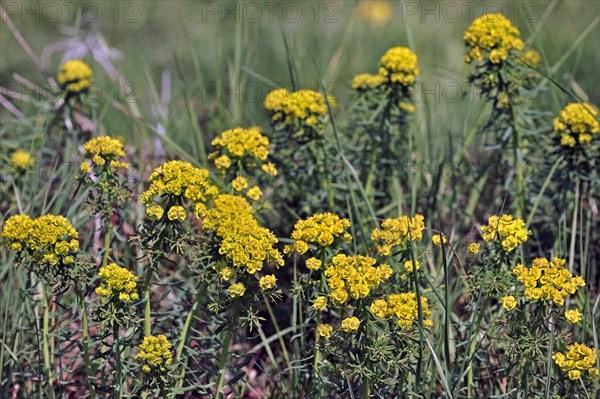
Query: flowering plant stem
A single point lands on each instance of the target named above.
(517, 152)
(147, 307)
(85, 342)
(45, 338)
(118, 366)
(186, 327)
(225, 352)
(549, 364)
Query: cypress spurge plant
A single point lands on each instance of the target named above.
(504, 74)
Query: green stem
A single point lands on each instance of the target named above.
(286, 355)
(186, 327)
(549, 364)
(117, 347)
(45, 338)
(518, 166)
(223, 361)
(574, 228)
(225, 352)
(147, 307)
(85, 343)
(106, 246)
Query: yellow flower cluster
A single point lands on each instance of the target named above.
(117, 281)
(578, 359)
(398, 232)
(21, 160)
(354, 276)
(367, 81)
(548, 280)
(473, 248)
(573, 316)
(177, 181)
(241, 144)
(350, 324)
(101, 150)
(404, 307)
(399, 66)
(236, 290)
(509, 302)
(307, 107)
(75, 75)
(155, 354)
(506, 230)
(529, 58)
(320, 229)
(320, 303)
(243, 240)
(491, 36)
(438, 241)
(49, 239)
(267, 282)
(577, 123)
(324, 330)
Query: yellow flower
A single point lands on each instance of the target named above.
(505, 230)
(242, 239)
(530, 58)
(155, 212)
(267, 282)
(437, 241)
(398, 232)
(578, 359)
(223, 163)
(473, 248)
(492, 35)
(155, 354)
(305, 107)
(408, 265)
(509, 302)
(226, 273)
(178, 179)
(85, 167)
(320, 303)
(379, 308)
(407, 107)
(313, 264)
(239, 183)
(354, 276)
(548, 280)
(574, 374)
(404, 308)
(324, 330)
(577, 123)
(350, 324)
(320, 229)
(254, 193)
(573, 316)
(177, 213)
(240, 143)
(102, 149)
(21, 160)
(269, 168)
(367, 81)
(47, 238)
(236, 290)
(75, 76)
(399, 66)
(117, 281)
